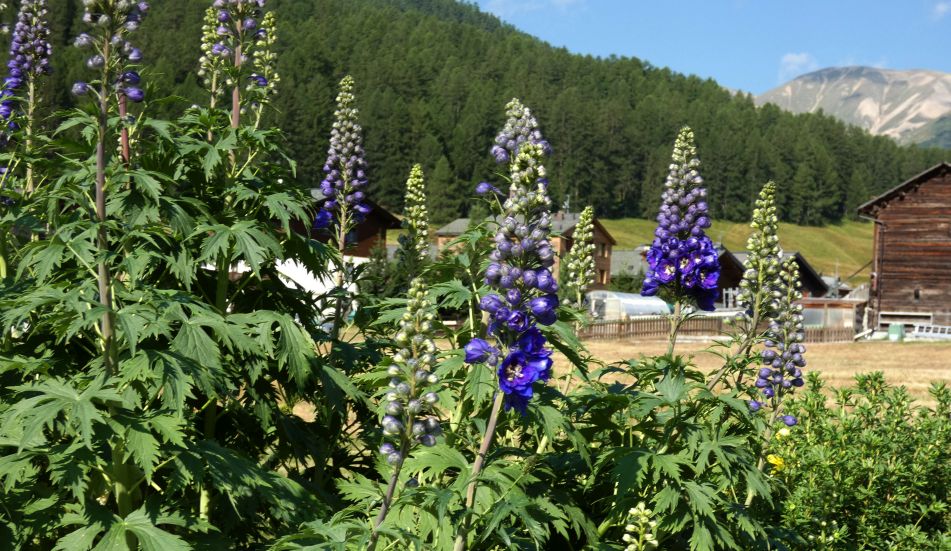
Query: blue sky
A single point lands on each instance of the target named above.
(750, 45)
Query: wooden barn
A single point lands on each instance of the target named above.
(911, 259)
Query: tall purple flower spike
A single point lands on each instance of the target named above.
(345, 179)
(682, 259)
(519, 271)
(30, 52)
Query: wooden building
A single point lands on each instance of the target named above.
(563, 227)
(733, 265)
(368, 234)
(911, 259)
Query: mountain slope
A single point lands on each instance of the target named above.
(433, 77)
(904, 105)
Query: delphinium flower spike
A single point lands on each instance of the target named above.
(520, 272)
(30, 52)
(761, 277)
(239, 32)
(410, 419)
(580, 259)
(524, 289)
(684, 265)
(783, 354)
(212, 61)
(263, 81)
(640, 532)
(112, 58)
(414, 244)
(345, 181)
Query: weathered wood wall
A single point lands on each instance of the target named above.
(913, 251)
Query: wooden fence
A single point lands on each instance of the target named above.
(658, 327)
(652, 327)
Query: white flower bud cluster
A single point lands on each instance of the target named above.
(684, 169)
(639, 534)
(529, 191)
(761, 280)
(580, 259)
(409, 403)
(415, 243)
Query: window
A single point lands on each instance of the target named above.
(917, 295)
(603, 277)
(604, 250)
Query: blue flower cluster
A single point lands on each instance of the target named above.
(30, 52)
(682, 259)
(783, 354)
(111, 22)
(345, 179)
(520, 269)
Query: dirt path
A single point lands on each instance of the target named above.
(913, 364)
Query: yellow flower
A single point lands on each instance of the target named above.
(782, 433)
(776, 461)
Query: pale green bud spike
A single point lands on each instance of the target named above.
(580, 259)
(762, 275)
(415, 243)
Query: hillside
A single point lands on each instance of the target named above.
(909, 106)
(433, 77)
(846, 246)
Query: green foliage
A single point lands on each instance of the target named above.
(869, 462)
(688, 452)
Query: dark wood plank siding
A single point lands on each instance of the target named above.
(913, 251)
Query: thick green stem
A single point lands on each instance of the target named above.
(390, 490)
(477, 468)
(104, 280)
(675, 320)
(767, 436)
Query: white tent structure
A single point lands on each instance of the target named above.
(614, 306)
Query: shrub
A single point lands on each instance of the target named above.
(870, 470)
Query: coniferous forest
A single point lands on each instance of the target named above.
(434, 71)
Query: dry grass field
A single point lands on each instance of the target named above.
(912, 364)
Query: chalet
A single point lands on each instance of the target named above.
(563, 227)
(911, 258)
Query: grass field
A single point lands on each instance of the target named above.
(912, 364)
(847, 245)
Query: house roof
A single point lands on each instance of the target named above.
(561, 223)
(628, 261)
(803, 264)
(871, 207)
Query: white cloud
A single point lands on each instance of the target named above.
(506, 8)
(794, 64)
(940, 9)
